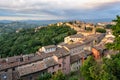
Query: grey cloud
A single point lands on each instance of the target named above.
(58, 8)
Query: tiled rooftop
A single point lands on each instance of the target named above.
(79, 56)
(59, 53)
(77, 36)
(74, 58)
(37, 66)
(71, 46)
(50, 46)
(50, 62)
(31, 68)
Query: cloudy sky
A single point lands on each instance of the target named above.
(58, 9)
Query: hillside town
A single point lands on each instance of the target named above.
(67, 56)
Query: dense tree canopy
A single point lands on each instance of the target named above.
(46, 76)
(105, 68)
(85, 69)
(57, 76)
(88, 29)
(100, 30)
(29, 41)
(116, 33)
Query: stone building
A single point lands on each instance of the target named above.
(74, 38)
(64, 57)
(77, 60)
(32, 66)
(47, 49)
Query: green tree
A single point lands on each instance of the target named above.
(74, 78)
(58, 76)
(88, 28)
(28, 41)
(46, 76)
(85, 68)
(112, 65)
(97, 70)
(100, 30)
(116, 33)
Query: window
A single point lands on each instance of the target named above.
(77, 62)
(53, 73)
(30, 77)
(53, 67)
(43, 72)
(13, 69)
(59, 65)
(21, 59)
(6, 70)
(64, 57)
(63, 62)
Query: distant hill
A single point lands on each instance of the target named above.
(43, 22)
(98, 20)
(8, 27)
(38, 22)
(5, 21)
(46, 22)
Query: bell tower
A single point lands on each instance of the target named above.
(94, 29)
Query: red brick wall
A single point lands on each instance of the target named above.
(96, 53)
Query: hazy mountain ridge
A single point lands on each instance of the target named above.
(45, 22)
(13, 26)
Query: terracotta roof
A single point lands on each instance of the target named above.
(31, 68)
(61, 44)
(99, 35)
(77, 36)
(93, 37)
(50, 46)
(60, 52)
(74, 45)
(87, 40)
(37, 66)
(15, 64)
(74, 58)
(88, 52)
(100, 47)
(50, 62)
(79, 56)
(11, 59)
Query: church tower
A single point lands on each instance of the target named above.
(94, 30)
